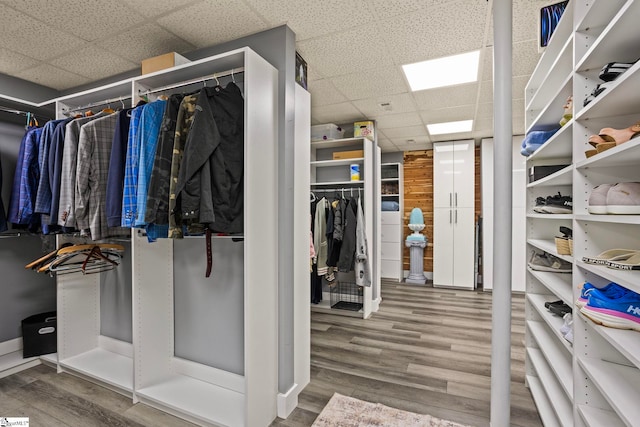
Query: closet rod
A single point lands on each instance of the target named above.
(10, 110)
(230, 72)
(93, 104)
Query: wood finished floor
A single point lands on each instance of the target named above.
(427, 350)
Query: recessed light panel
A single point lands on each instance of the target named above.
(450, 127)
(446, 71)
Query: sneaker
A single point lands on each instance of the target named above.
(598, 199)
(568, 324)
(621, 311)
(624, 198)
(558, 204)
(541, 202)
(560, 309)
(548, 262)
(610, 290)
(612, 70)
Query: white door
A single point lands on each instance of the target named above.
(443, 256)
(463, 248)
(443, 173)
(463, 174)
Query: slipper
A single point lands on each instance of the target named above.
(630, 263)
(610, 255)
(612, 70)
(619, 136)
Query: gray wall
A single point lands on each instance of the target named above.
(22, 292)
(395, 157)
(116, 313)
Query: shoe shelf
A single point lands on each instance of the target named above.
(556, 396)
(618, 385)
(536, 215)
(557, 357)
(553, 322)
(596, 417)
(626, 154)
(551, 113)
(626, 342)
(549, 247)
(561, 177)
(558, 147)
(610, 219)
(558, 283)
(543, 404)
(628, 279)
(593, 17)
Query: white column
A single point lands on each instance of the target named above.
(501, 321)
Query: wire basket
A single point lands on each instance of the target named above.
(346, 296)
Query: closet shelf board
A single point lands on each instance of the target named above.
(108, 367)
(197, 399)
(325, 183)
(113, 90)
(627, 154)
(610, 219)
(557, 283)
(390, 195)
(596, 417)
(549, 216)
(545, 409)
(556, 74)
(549, 247)
(562, 177)
(559, 146)
(553, 322)
(557, 397)
(627, 342)
(553, 110)
(341, 162)
(557, 359)
(336, 143)
(628, 279)
(389, 179)
(599, 14)
(618, 384)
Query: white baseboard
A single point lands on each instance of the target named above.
(10, 346)
(288, 401)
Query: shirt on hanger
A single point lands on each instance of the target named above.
(130, 188)
(25, 182)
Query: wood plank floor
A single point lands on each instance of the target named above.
(427, 350)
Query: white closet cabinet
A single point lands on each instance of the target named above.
(331, 177)
(203, 349)
(453, 214)
(391, 180)
(595, 381)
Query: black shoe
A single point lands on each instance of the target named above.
(550, 303)
(560, 309)
(558, 204)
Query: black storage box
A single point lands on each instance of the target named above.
(539, 172)
(39, 334)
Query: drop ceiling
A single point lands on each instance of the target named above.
(354, 50)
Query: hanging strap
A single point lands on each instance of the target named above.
(209, 256)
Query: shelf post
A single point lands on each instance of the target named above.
(502, 179)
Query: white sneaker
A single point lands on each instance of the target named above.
(624, 198)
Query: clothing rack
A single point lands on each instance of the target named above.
(95, 104)
(215, 76)
(340, 190)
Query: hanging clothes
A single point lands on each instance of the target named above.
(56, 152)
(25, 182)
(94, 153)
(210, 180)
(320, 236)
(362, 266)
(115, 176)
(130, 185)
(66, 202)
(348, 248)
(3, 215)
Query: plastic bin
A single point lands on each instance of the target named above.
(325, 132)
(39, 334)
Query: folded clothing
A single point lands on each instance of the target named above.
(390, 206)
(534, 139)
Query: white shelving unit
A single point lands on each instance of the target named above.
(332, 177)
(240, 387)
(392, 191)
(597, 385)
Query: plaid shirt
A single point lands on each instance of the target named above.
(130, 189)
(149, 130)
(94, 153)
(25, 181)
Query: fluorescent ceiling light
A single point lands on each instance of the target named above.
(450, 127)
(446, 71)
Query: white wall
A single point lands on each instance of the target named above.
(518, 243)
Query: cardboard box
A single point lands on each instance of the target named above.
(353, 154)
(161, 62)
(364, 129)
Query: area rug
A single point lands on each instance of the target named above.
(344, 411)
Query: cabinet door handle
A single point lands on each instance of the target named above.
(450, 202)
(450, 221)
(456, 216)
(456, 200)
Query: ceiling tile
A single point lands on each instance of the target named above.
(384, 9)
(154, 8)
(402, 103)
(94, 63)
(371, 83)
(452, 136)
(312, 74)
(22, 33)
(442, 30)
(337, 113)
(428, 145)
(323, 92)
(450, 96)
(309, 19)
(525, 20)
(407, 132)
(144, 42)
(48, 75)
(390, 121)
(89, 21)
(525, 58)
(348, 52)
(11, 62)
(452, 114)
(209, 23)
